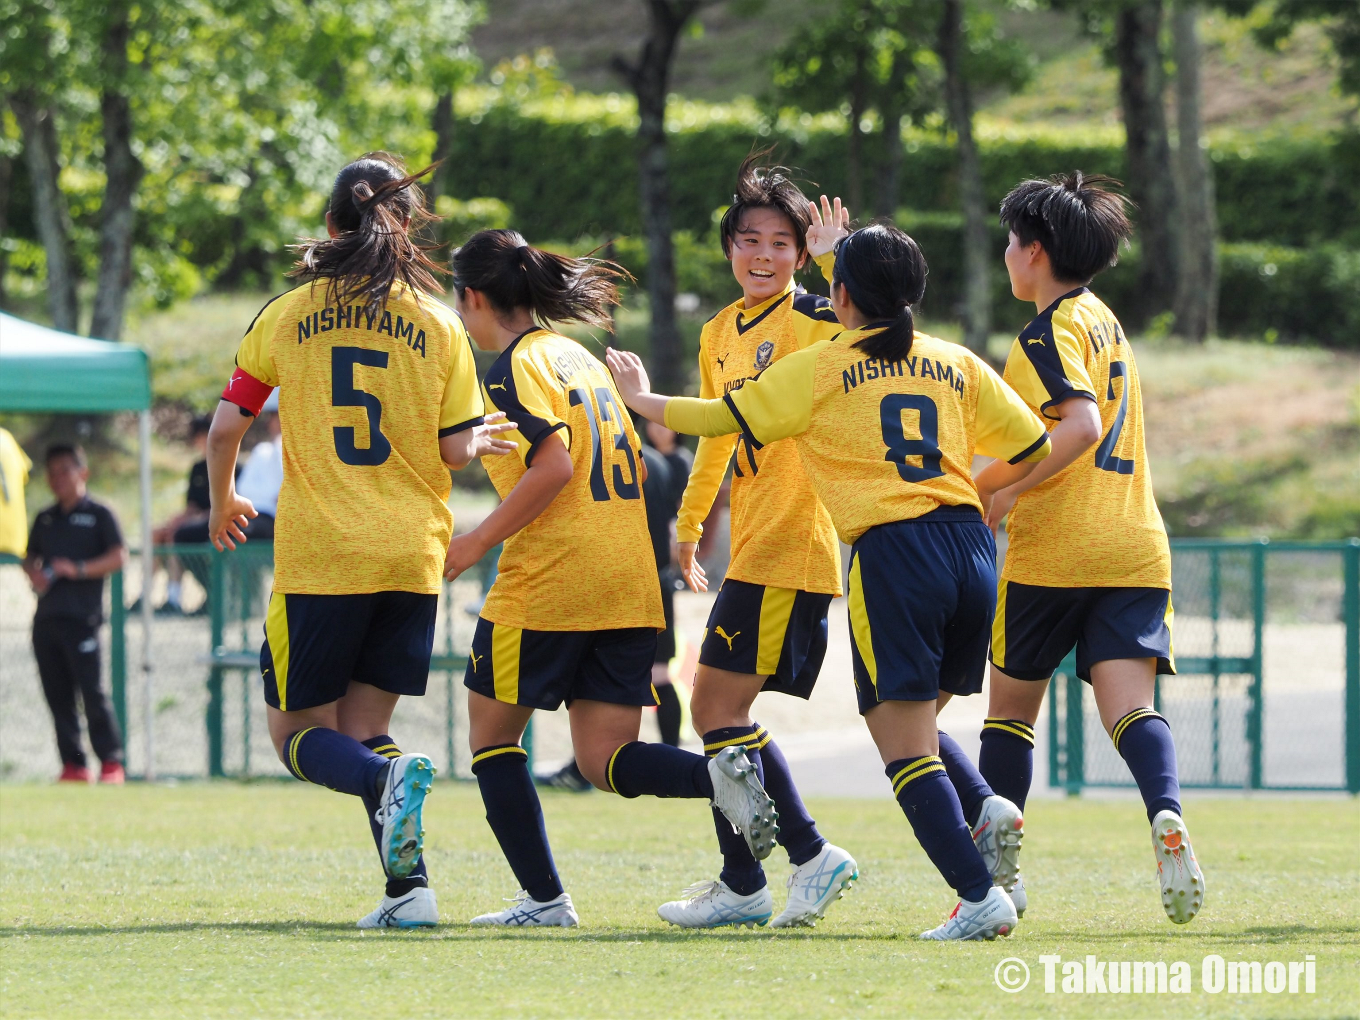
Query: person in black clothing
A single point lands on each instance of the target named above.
(73, 546)
(667, 472)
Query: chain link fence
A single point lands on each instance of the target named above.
(1267, 644)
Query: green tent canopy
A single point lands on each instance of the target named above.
(43, 369)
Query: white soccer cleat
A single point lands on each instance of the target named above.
(815, 885)
(1181, 880)
(399, 812)
(416, 909)
(714, 905)
(994, 916)
(997, 836)
(737, 793)
(525, 912)
(1019, 897)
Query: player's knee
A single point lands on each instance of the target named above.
(594, 765)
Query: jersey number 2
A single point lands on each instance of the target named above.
(345, 394)
(900, 447)
(609, 414)
(1105, 458)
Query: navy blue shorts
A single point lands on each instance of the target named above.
(314, 645)
(922, 593)
(544, 668)
(778, 633)
(1036, 626)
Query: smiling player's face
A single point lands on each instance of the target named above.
(765, 255)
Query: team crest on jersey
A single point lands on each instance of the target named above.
(764, 354)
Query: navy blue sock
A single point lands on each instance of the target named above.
(327, 758)
(516, 817)
(1143, 740)
(922, 787)
(968, 782)
(419, 877)
(741, 872)
(798, 833)
(1006, 760)
(668, 714)
(658, 770)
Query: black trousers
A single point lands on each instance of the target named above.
(67, 651)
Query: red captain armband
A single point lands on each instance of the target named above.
(247, 392)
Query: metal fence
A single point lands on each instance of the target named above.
(1267, 691)
(1267, 643)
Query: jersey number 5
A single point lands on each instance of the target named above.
(345, 394)
(609, 413)
(900, 447)
(1105, 458)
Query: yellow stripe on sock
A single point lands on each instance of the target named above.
(293, 750)
(384, 748)
(1012, 727)
(776, 606)
(750, 740)
(513, 749)
(1117, 732)
(609, 772)
(915, 771)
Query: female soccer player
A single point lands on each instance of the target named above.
(576, 606)
(378, 399)
(887, 421)
(1089, 563)
(767, 629)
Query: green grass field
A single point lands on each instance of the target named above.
(230, 900)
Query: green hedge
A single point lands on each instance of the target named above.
(572, 175)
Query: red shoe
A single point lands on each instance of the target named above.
(74, 774)
(111, 772)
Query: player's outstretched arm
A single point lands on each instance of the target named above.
(547, 475)
(230, 512)
(462, 448)
(634, 386)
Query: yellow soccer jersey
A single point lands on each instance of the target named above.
(881, 440)
(1095, 523)
(586, 562)
(782, 536)
(363, 398)
(14, 465)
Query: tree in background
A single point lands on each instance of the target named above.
(649, 78)
(1197, 288)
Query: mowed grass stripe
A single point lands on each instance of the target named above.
(240, 900)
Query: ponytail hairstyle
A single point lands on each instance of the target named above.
(554, 288)
(764, 187)
(884, 272)
(375, 207)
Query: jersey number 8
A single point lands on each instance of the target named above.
(900, 447)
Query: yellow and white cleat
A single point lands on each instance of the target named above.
(1177, 870)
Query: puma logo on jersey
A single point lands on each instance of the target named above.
(475, 658)
(1035, 340)
(724, 635)
(496, 386)
(721, 361)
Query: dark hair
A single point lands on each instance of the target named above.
(764, 187)
(1078, 219)
(375, 206)
(200, 425)
(72, 450)
(555, 288)
(884, 272)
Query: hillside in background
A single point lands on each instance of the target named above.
(1246, 88)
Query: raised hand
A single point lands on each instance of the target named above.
(829, 224)
(629, 374)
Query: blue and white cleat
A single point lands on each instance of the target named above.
(994, 915)
(526, 912)
(738, 794)
(714, 905)
(997, 835)
(816, 885)
(416, 909)
(403, 836)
